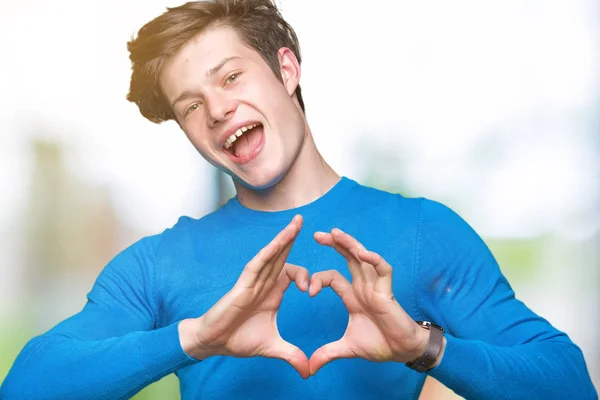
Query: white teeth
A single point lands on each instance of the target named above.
(237, 134)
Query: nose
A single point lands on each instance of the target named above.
(220, 108)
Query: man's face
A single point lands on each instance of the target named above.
(217, 88)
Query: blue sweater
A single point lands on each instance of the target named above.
(126, 336)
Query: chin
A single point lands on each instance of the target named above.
(261, 181)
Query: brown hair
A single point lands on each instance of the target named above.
(258, 23)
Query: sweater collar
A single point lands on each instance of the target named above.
(326, 203)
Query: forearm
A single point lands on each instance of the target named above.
(505, 350)
(536, 370)
(56, 366)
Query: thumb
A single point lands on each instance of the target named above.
(327, 353)
(293, 273)
(291, 354)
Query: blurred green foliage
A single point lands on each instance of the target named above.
(165, 389)
(519, 259)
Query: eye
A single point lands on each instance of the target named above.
(232, 78)
(191, 108)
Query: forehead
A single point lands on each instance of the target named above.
(202, 53)
(215, 41)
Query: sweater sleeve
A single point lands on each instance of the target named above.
(111, 349)
(496, 347)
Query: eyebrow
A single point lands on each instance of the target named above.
(186, 94)
(214, 70)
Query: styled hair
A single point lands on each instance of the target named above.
(258, 23)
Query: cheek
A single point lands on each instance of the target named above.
(269, 93)
(281, 105)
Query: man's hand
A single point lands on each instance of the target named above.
(243, 323)
(378, 328)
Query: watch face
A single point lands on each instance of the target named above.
(429, 325)
(437, 327)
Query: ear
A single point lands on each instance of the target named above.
(289, 67)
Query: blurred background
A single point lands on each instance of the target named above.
(492, 108)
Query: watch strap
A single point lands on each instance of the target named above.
(433, 349)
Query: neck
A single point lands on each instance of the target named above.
(309, 178)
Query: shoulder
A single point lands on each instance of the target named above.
(187, 229)
(180, 235)
(395, 204)
(436, 214)
(446, 242)
(431, 215)
(439, 221)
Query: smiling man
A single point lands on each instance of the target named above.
(414, 290)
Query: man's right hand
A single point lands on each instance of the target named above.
(243, 323)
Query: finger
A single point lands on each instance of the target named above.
(327, 353)
(326, 239)
(291, 354)
(280, 259)
(383, 269)
(250, 274)
(331, 278)
(346, 240)
(293, 273)
(283, 240)
(368, 272)
(352, 245)
(270, 265)
(266, 254)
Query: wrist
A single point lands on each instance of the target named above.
(430, 350)
(422, 340)
(188, 338)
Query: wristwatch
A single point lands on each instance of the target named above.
(433, 349)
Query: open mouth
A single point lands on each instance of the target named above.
(244, 140)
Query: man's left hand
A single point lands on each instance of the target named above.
(378, 328)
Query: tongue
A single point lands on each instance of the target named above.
(247, 142)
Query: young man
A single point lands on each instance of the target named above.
(205, 299)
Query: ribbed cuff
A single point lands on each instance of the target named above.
(455, 370)
(169, 350)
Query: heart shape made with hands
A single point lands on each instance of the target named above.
(378, 327)
(243, 323)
